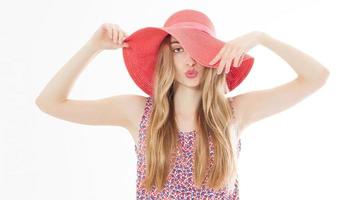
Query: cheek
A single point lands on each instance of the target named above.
(179, 72)
(178, 64)
(177, 60)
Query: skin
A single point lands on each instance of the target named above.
(126, 110)
(187, 95)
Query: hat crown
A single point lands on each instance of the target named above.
(190, 16)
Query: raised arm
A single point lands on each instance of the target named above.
(311, 75)
(116, 110)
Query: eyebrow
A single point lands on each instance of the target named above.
(174, 42)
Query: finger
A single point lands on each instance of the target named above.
(120, 34)
(228, 59)
(236, 61)
(224, 68)
(125, 34)
(221, 66)
(214, 60)
(114, 33)
(217, 69)
(237, 57)
(109, 31)
(121, 30)
(241, 59)
(220, 69)
(227, 67)
(121, 37)
(217, 57)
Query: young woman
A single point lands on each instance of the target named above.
(186, 131)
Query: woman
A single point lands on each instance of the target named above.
(186, 132)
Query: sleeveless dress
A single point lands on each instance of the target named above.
(179, 184)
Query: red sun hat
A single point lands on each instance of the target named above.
(195, 33)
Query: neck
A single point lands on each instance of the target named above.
(186, 101)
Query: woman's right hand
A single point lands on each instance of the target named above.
(108, 36)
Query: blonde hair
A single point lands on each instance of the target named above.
(214, 116)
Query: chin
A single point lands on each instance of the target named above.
(189, 83)
(192, 83)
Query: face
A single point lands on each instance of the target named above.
(188, 71)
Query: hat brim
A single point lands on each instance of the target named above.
(140, 56)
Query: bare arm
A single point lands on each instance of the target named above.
(58, 88)
(114, 110)
(307, 68)
(311, 76)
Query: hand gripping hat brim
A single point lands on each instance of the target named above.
(195, 32)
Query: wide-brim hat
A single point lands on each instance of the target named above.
(195, 33)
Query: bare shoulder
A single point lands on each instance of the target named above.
(136, 104)
(256, 105)
(240, 108)
(132, 107)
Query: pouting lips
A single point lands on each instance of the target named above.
(191, 74)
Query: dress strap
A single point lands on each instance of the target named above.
(235, 125)
(147, 112)
(231, 99)
(143, 123)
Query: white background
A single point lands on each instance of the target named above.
(313, 150)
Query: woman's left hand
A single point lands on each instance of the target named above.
(235, 50)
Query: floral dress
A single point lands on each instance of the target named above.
(179, 184)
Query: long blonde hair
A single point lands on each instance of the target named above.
(214, 116)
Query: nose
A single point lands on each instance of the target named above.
(190, 61)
